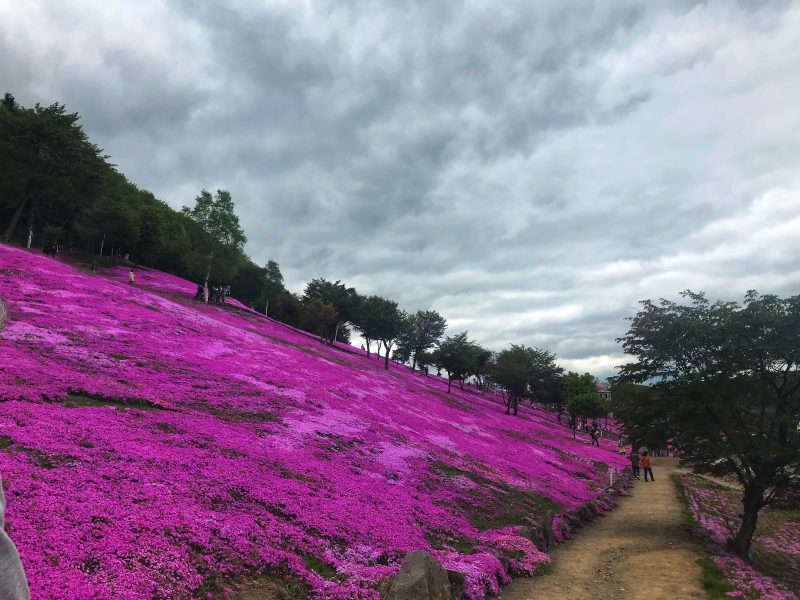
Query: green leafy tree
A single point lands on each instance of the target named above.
(521, 370)
(455, 355)
(46, 159)
(425, 328)
(483, 362)
(727, 391)
(216, 216)
(381, 319)
(344, 299)
(586, 404)
(318, 317)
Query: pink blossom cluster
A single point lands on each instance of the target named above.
(151, 443)
(716, 510)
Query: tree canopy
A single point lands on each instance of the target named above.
(726, 390)
(524, 371)
(424, 328)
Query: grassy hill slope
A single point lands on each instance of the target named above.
(155, 447)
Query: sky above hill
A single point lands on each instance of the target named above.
(530, 170)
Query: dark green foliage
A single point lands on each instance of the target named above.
(380, 319)
(524, 371)
(726, 391)
(456, 354)
(424, 329)
(344, 300)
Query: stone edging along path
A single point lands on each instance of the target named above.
(640, 551)
(3, 313)
(421, 577)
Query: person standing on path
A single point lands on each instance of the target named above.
(130, 277)
(646, 466)
(635, 464)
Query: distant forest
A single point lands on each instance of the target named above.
(57, 186)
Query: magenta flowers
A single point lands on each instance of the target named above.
(153, 445)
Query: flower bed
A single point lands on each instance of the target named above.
(154, 446)
(775, 550)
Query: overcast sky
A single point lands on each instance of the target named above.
(529, 169)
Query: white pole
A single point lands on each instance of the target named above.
(611, 476)
(266, 308)
(30, 237)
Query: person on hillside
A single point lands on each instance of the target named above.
(130, 277)
(621, 448)
(199, 294)
(595, 433)
(635, 464)
(93, 268)
(646, 466)
(13, 585)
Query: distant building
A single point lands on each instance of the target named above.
(602, 390)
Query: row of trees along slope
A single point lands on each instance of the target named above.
(724, 388)
(57, 186)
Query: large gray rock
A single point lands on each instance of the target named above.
(534, 532)
(548, 529)
(457, 579)
(420, 577)
(13, 585)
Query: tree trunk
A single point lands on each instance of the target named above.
(12, 226)
(414, 363)
(368, 342)
(752, 501)
(386, 358)
(208, 270)
(449, 383)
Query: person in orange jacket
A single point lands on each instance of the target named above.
(646, 466)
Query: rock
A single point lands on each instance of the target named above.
(456, 579)
(420, 577)
(548, 529)
(505, 562)
(535, 534)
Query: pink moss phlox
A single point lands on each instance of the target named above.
(206, 440)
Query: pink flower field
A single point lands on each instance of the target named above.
(776, 546)
(156, 447)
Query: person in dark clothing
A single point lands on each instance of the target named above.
(634, 458)
(595, 433)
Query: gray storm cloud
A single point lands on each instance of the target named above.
(530, 170)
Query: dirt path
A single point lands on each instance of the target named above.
(637, 551)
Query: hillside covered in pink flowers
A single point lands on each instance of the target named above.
(156, 447)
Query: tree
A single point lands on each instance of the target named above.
(425, 328)
(574, 384)
(46, 157)
(456, 355)
(483, 361)
(318, 317)
(727, 390)
(216, 216)
(380, 319)
(521, 370)
(344, 299)
(586, 404)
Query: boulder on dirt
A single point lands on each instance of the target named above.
(534, 533)
(505, 562)
(548, 529)
(456, 579)
(420, 577)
